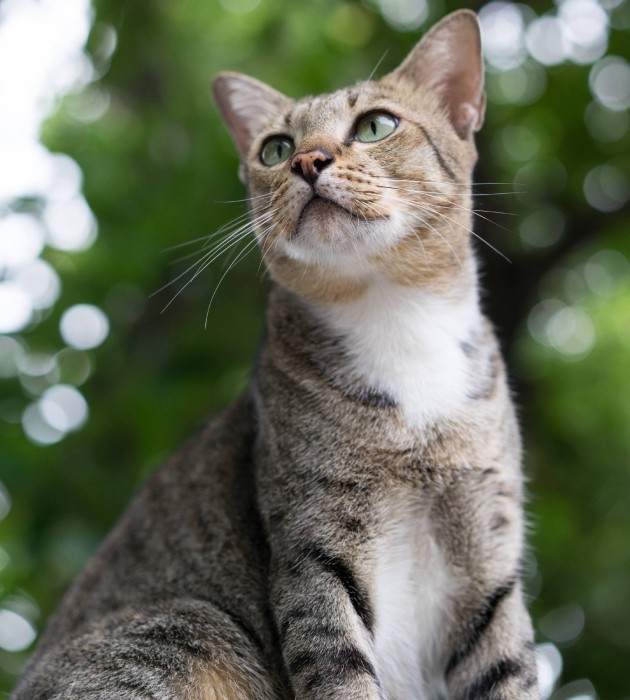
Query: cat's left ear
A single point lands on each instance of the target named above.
(247, 106)
(448, 60)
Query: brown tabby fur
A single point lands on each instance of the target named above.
(258, 564)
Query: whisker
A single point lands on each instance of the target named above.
(220, 230)
(245, 199)
(376, 67)
(215, 245)
(201, 265)
(450, 183)
(426, 223)
(436, 193)
(248, 249)
(275, 243)
(253, 230)
(243, 230)
(210, 256)
(476, 235)
(184, 244)
(239, 219)
(468, 189)
(480, 213)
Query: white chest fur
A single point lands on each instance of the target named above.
(408, 344)
(413, 593)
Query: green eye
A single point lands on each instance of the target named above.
(375, 126)
(276, 150)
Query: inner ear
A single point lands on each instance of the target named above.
(448, 60)
(247, 106)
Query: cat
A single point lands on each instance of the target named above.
(351, 528)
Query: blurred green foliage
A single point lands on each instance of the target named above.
(157, 163)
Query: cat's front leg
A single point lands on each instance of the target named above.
(491, 650)
(494, 658)
(325, 627)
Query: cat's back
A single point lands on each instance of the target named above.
(179, 581)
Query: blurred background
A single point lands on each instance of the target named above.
(111, 154)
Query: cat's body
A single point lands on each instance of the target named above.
(352, 527)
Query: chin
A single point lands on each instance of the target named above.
(342, 241)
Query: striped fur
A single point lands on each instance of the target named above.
(352, 527)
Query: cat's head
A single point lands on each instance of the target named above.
(370, 182)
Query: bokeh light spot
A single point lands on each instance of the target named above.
(545, 41)
(503, 34)
(585, 29)
(606, 188)
(63, 408)
(70, 224)
(66, 178)
(21, 240)
(609, 81)
(16, 308)
(40, 282)
(576, 690)
(563, 624)
(5, 502)
(522, 85)
(12, 352)
(16, 633)
(604, 124)
(571, 331)
(567, 329)
(30, 171)
(37, 372)
(37, 364)
(405, 15)
(543, 227)
(607, 272)
(88, 106)
(84, 326)
(37, 429)
(538, 318)
(549, 664)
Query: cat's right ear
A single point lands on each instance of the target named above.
(246, 105)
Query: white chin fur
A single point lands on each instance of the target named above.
(346, 243)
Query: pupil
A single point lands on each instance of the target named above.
(373, 126)
(279, 150)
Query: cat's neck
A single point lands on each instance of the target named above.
(409, 344)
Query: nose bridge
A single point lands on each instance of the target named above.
(321, 122)
(317, 142)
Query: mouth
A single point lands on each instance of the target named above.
(327, 233)
(322, 204)
(320, 207)
(324, 207)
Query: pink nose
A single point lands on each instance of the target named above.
(309, 165)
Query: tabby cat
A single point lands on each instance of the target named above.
(351, 528)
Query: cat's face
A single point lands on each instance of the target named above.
(370, 181)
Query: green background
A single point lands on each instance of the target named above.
(158, 163)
